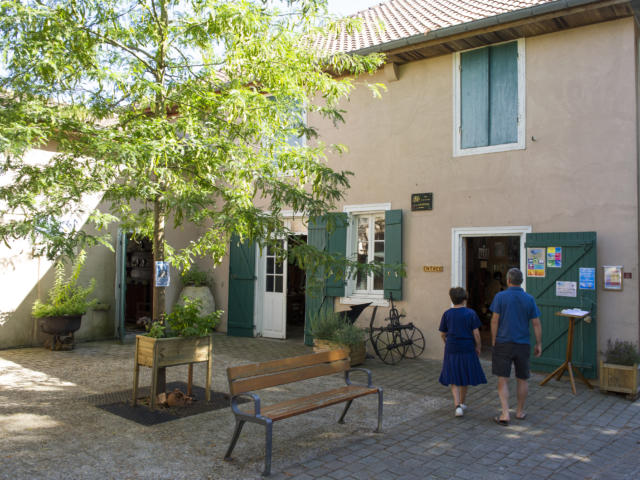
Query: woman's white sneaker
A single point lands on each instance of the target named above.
(459, 411)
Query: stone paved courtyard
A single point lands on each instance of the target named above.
(48, 429)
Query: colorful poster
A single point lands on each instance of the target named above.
(587, 278)
(613, 277)
(566, 289)
(554, 257)
(162, 274)
(535, 262)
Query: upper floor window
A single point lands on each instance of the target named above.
(489, 99)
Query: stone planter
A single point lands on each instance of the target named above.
(61, 329)
(203, 293)
(158, 353)
(357, 353)
(620, 378)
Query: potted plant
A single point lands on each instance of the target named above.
(182, 338)
(619, 369)
(61, 314)
(197, 286)
(331, 330)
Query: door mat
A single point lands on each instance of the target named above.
(119, 403)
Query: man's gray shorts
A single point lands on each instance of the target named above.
(506, 353)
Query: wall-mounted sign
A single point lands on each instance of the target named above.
(554, 257)
(421, 201)
(587, 278)
(566, 289)
(613, 277)
(535, 262)
(162, 274)
(433, 268)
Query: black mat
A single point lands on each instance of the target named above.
(119, 403)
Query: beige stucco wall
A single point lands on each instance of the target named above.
(578, 175)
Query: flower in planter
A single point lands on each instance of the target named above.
(186, 320)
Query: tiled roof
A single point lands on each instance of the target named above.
(399, 19)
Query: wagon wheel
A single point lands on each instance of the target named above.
(388, 345)
(414, 341)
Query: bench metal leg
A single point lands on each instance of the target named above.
(379, 429)
(344, 412)
(234, 439)
(267, 454)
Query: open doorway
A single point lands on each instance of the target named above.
(487, 261)
(296, 284)
(138, 284)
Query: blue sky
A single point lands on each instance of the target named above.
(347, 7)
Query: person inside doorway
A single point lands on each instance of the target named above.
(494, 287)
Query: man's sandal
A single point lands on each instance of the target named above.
(502, 423)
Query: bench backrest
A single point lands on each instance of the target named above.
(256, 376)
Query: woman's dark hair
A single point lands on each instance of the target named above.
(457, 295)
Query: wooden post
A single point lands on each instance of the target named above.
(158, 305)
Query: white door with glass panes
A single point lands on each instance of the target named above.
(368, 247)
(274, 294)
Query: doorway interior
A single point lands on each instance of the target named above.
(296, 286)
(487, 261)
(138, 284)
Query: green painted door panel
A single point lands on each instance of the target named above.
(315, 291)
(578, 251)
(242, 259)
(392, 283)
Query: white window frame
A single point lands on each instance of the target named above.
(458, 151)
(351, 296)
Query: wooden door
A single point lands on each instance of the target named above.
(242, 277)
(578, 251)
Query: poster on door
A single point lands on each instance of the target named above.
(554, 257)
(535, 262)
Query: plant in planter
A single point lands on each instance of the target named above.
(182, 338)
(331, 330)
(61, 314)
(197, 286)
(619, 371)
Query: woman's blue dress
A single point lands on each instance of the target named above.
(461, 365)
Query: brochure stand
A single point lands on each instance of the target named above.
(566, 365)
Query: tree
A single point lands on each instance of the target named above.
(175, 112)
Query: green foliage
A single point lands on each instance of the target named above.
(622, 353)
(163, 104)
(195, 277)
(332, 326)
(186, 321)
(66, 297)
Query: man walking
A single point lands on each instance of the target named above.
(513, 309)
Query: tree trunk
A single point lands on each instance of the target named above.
(158, 305)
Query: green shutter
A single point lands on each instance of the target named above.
(315, 289)
(474, 98)
(392, 283)
(578, 251)
(337, 245)
(503, 94)
(242, 260)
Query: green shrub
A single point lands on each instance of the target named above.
(622, 353)
(66, 297)
(196, 278)
(332, 326)
(186, 321)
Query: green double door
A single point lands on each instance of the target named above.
(575, 267)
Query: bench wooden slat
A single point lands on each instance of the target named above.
(297, 406)
(288, 376)
(272, 366)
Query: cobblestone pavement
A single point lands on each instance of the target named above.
(49, 431)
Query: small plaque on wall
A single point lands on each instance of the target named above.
(421, 201)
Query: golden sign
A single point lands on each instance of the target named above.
(433, 268)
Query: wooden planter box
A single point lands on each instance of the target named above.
(157, 353)
(619, 378)
(357, 353)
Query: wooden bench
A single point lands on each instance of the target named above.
(245, 379)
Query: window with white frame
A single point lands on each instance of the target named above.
(366, 245)
(489, 99)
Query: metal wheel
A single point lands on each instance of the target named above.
(388, 345)
(414, 341)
